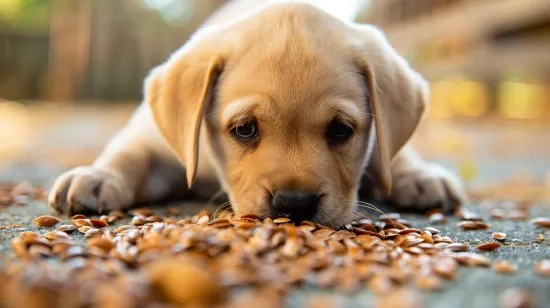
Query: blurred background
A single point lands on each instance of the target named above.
(71, 73)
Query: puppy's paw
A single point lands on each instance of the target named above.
(429, 186)
(89, 190)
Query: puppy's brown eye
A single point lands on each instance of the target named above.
(338, 132)
(246, 131)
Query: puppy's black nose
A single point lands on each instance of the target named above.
(296, 205)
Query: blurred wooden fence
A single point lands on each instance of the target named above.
(92, 49)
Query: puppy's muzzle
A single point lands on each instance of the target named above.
(296, 205)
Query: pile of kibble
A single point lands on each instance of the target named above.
(141, 259)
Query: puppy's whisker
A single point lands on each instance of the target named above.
(361, 215)
(228, 209)
(223, 206)
(372, 207)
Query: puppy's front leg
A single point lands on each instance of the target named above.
(112, 181)
(418, 184)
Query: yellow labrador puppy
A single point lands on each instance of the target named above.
(292, 110)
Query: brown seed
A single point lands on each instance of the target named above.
(432, 230)
(154, 218)
(38, 251)
(144, 212)
(93, 233)
(28, 236)
(45, 221)
(429, 282)
(60, 249)
(105, 218)
(66, 228)
(444, 239)
(466, 214)
(117, 214)
(427, 238)
(79, 216)
(445, 267)
(203, 220)
(403, 298)
(471, 259)
(504, 267)
(380, 284)
(98, 223)
(518, 215)
(182, 283)
(138, 221)
(52, 235)
(488, 246)
(19, 247)
(132, 235)
(542, 268)
(82, 222)
(542, 222)
(102, 243)
(84, 229)
(497, 213)
(499, 236)
(540, 237)
(281, 220)
(516, 298)
(438, 218)
(73, 252)
(407, 231)
(16, 226)
(472, 225)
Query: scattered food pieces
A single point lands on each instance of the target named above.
(500, 236)
(197, 260)
(540, 237)
(542, 222)
(542, 268)
(488, 246)
(438, 218)
(473, 225)
(516, 298)
(46, 221)
(505, 267)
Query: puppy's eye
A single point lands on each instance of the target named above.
(246, 131)
(338, 132)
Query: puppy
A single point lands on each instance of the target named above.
(290, 109)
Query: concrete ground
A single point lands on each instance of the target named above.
(79, 139)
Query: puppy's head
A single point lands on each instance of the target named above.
(294, 105)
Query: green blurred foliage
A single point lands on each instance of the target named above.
(26, 15)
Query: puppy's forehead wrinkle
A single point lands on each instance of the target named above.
(238, 109)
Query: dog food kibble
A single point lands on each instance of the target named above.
(500, 236)
(516, 298)
(98, 223)
(438, 218)
(202, 261)
(46, 221)
(488, 246)
(473, 225)
(542, 268)
(540, 237)
(542, 222)
(504, 267)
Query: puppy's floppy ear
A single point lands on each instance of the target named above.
(178, 93)
(398, 96)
